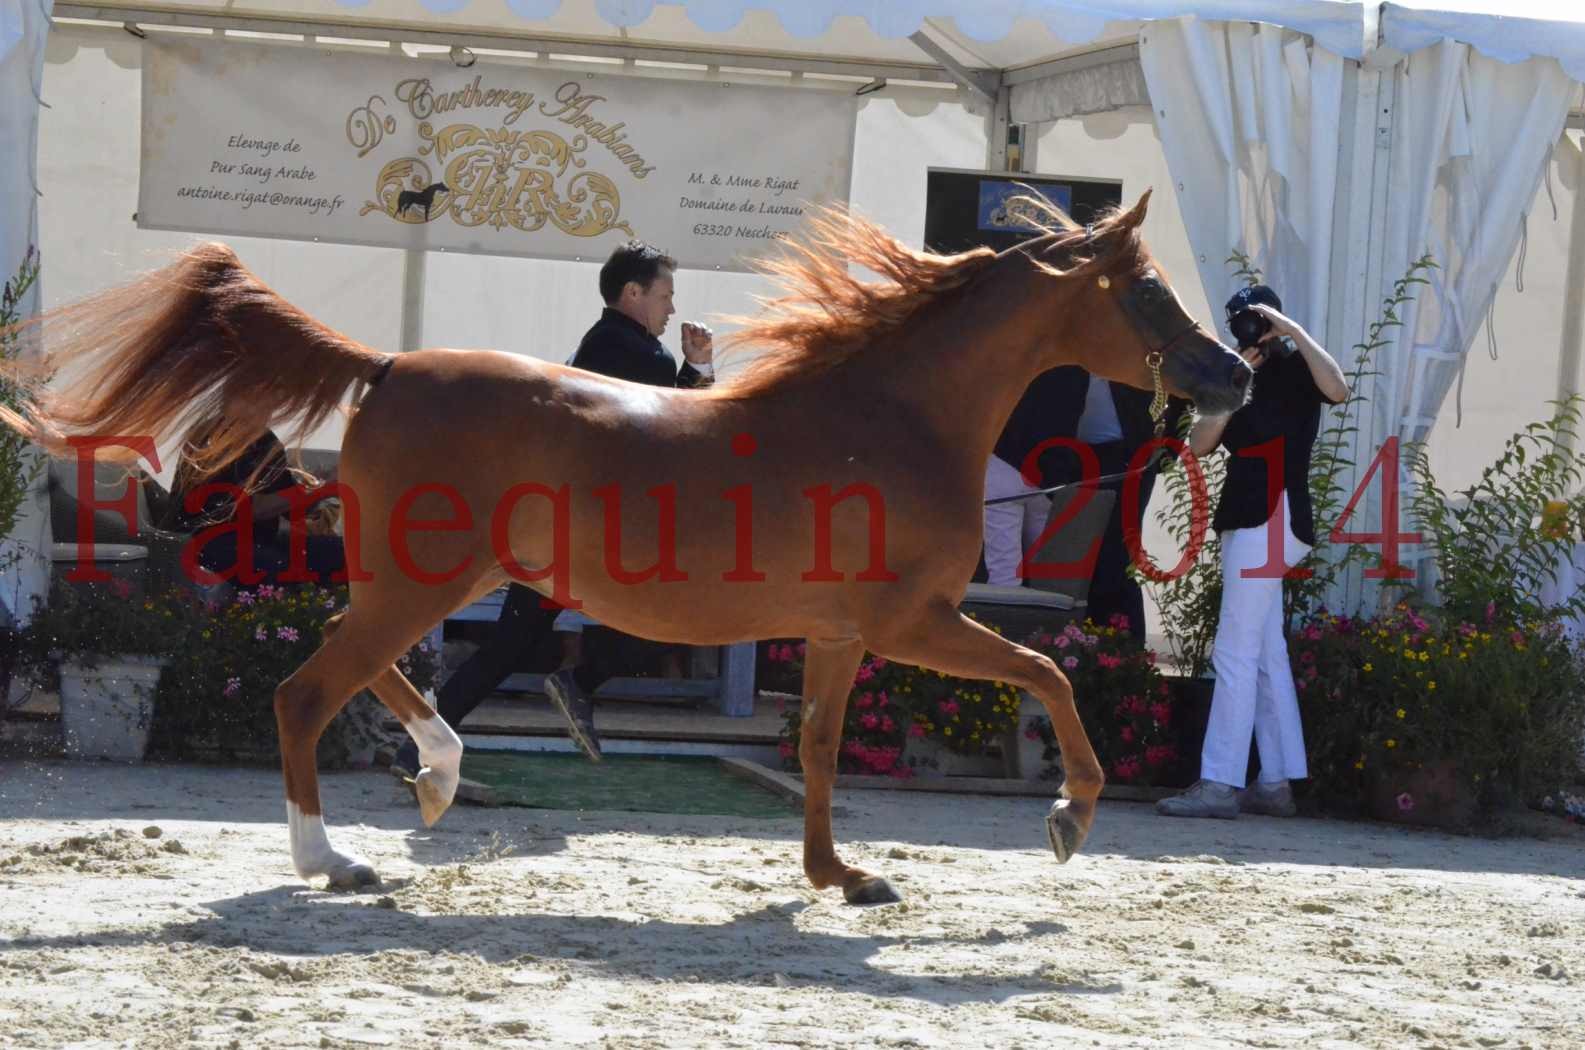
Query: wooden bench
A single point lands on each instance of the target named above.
(723, 675)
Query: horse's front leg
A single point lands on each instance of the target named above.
(944, 639)
(829, 667)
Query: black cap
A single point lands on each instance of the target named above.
(1244, 298)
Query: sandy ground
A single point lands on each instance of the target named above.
(513, 927)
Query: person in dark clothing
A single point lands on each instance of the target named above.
(1114, 420)
(262, 472)
(1266, 527)
(636, 284)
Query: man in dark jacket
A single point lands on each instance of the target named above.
(1114, 420)
(636, 284)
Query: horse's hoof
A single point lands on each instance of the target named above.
(434, 791)
(1064, 830)
(871, 890)
(353, 876)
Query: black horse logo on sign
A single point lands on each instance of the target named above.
(424, 197)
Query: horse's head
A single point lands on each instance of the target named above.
(1125, 322)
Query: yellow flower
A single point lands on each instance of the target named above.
(1464, 655)
(1391, 744)
(1401, 712)
(1368, 668)
(205, 634)
(1424, 657)
(948, 730)
(1431, 686)
(1360, 764)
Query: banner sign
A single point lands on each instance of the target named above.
(311, 144)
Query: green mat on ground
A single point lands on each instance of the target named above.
(631, 783)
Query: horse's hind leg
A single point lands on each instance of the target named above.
(439, 747)
(829, 666)
(355, 651)
(946, 640)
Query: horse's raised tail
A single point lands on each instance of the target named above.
(201, 341)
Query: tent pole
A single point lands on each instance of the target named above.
(1573, 297)
(412, 298)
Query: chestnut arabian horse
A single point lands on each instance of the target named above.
(831, 491)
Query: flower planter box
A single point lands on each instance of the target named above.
(1434, 795)
(931, 758)
(1024, 748)
(1191, 710)
(107, 706)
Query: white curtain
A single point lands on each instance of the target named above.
(24, 24)
(1471, 139)
(1256, 156)
(1249, 117)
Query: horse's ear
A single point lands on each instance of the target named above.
(1136, 215)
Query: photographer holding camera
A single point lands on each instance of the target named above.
(1266, 528)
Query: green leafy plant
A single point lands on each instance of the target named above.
(1497, 704)
(216, 697)
(1492, 548)
(20, 464)
(1331, 463)
(87, 622)
(1122, 699)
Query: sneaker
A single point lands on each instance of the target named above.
(1206, 798)
(1268, 800)
(576, 708)
(406, 763)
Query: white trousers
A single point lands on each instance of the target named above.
(1254, 682)
(1010, 528)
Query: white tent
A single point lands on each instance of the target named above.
(1331, 140)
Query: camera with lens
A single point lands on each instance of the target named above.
(1248, 326)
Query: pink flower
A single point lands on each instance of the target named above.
(1063, 641)
(881, 699)
(1119, 621)
(785, 748)
(1162, 713)
(1108, 661)
(869, 721)
(1307, 657)
(800, 650)
(286, 634)
(887, 725)
(878, 663)
(864, 700)
(1031, 733)
(1070, 662)
(121, 588)
(949, 707)
(916, 730)
(1491, 611)
(1405, 803)
(260, 634)
(233, 686)
(1150, 657)
(245, 598)
(1127, 735)
(864, 675)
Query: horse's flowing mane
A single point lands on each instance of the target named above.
(826, 315)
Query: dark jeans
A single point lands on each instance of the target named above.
(326, 557)
(1112, 590)
(525, 621)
